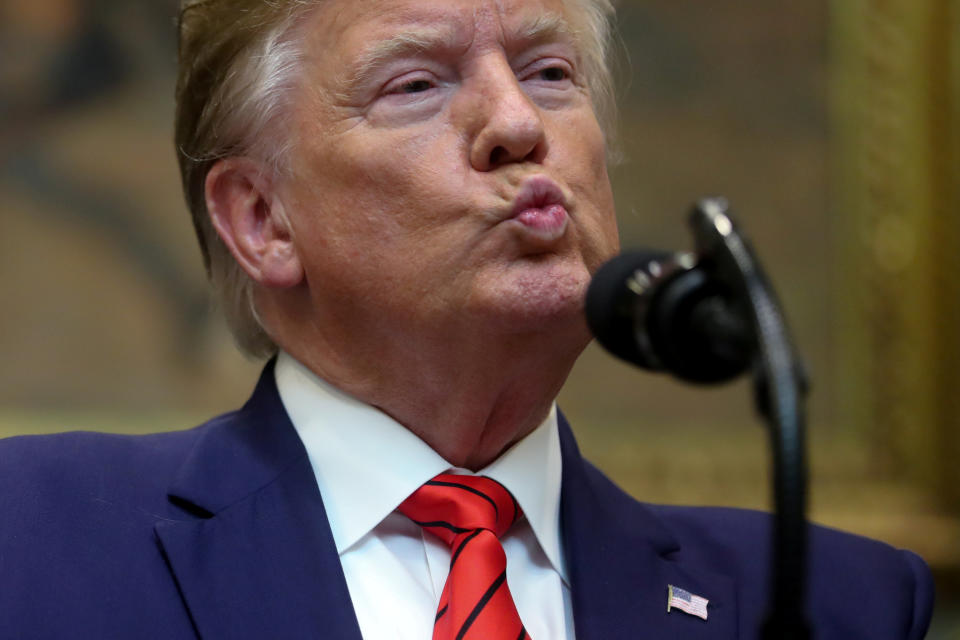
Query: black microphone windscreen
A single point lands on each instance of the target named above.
(610, 304)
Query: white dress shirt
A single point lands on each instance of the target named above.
(366, 464)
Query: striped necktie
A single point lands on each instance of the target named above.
(470, 513)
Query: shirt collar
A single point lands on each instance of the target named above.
(366, 463)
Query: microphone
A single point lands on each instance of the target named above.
(667, 312)
(707, 317)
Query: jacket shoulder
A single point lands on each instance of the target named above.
(79, 511)
(857, 587)
(68, 473)
(79, 460)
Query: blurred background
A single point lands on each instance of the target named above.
(833, 126)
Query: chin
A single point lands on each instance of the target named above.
(540, 299)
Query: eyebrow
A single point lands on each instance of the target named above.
(546, 26)
(397, 46)
(541, 28)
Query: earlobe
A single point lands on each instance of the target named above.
(250, 219)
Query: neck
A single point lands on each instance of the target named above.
(469, 395)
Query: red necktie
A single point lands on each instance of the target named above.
(470, 513)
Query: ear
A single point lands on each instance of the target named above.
(250, 219)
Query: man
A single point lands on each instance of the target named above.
(403, 199)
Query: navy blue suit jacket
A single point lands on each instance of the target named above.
(220, 532)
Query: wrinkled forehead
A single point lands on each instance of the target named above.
(364, 31)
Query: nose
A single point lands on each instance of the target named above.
(509, 127)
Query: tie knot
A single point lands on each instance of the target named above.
(449, 505)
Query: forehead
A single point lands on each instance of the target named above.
(358, 29)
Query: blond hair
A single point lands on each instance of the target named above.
(239, 62)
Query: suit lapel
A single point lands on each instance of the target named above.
(257, 560)
(621, 559)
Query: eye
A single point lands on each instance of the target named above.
(415, 86)
(410, 84)
(553, 74)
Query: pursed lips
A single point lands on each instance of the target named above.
(540, 209)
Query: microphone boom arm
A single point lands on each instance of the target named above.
(780, 386)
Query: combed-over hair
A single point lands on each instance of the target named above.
(239, 63)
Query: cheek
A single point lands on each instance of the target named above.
(395, 183)
(578, 137)
(609, 232)
(599, 238)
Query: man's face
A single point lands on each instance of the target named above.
(447, 165)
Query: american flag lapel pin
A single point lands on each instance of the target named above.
(685, 601)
